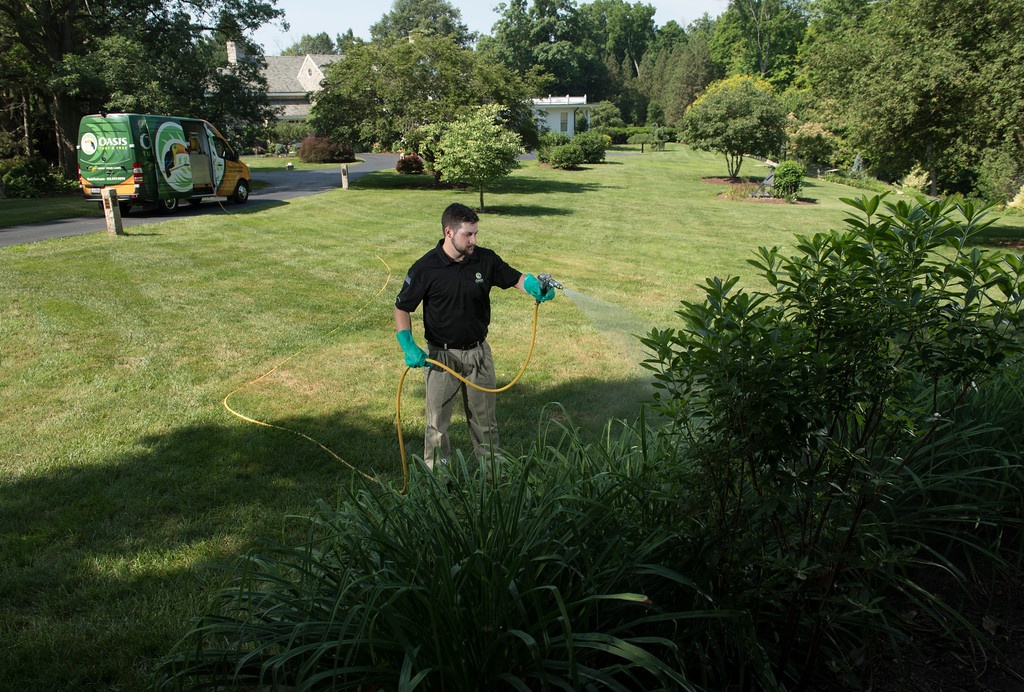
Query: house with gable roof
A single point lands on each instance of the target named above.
(290, 80)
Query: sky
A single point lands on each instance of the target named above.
(316, 16)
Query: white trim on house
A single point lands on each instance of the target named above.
(561, 113)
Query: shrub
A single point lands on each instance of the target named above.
(789, 180)
(834, 425)
(1018, 201)
(325, 150)
(592, 144)
(548, 141)
(28, 177)
(813, 144)
(409, 164)
(917, 179)
(862, 182)
(568, 157)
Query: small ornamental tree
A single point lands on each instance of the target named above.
(478, 149)
(736, 116)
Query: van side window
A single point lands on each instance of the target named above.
(221, 147)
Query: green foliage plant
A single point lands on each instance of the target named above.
(736, 116)
(28, 177)
(813, 144)
(567, 157)
(825, 417)
(478, 149)
(593, 145)
(789, 180)
(325, 150)
(548, 141)
(551, 580)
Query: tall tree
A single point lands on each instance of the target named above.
(68, 39)
(382, 93)
(320, 44)
(676, 72)
(909, 81)
(761, 37)
(549, 45)
(622, 30)
(437, 16)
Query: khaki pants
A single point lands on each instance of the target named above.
(477, 366)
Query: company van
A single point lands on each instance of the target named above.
(157, 160)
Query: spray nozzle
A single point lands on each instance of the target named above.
(547, 280)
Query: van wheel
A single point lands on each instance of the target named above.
(169, 205)
(241, 195)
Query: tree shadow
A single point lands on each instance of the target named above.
(1001, 234)
(385, 180)
(129, 534)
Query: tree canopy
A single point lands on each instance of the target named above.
(320, 44)
(422, 16)
(735, 117)
(380, 94)
(903, 85)
(78, 56)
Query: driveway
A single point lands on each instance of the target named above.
(282, 186)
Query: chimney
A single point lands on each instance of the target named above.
(235, 53)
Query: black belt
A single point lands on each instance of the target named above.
(453, 347)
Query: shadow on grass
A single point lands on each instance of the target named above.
(99, 572)
(386, 180)
(1005, 233)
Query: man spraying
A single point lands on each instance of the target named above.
(453, 282)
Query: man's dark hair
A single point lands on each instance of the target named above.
(457, 214)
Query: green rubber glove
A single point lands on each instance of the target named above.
(415, 357)
(532, 286)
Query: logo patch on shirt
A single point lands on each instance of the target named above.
(479, 278)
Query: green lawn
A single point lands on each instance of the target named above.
(123, 473)
(15, 212)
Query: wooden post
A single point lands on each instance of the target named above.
(344, 176)
(112, 212)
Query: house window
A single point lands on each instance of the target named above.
(564, 125)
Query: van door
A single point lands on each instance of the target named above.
(199, 156)
(174, 166)
(106, 154)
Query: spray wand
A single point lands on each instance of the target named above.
(548, 281)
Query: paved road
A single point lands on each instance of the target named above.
(282, 186)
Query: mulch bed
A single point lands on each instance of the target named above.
(756, 200)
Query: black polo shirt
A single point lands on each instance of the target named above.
(455, 295)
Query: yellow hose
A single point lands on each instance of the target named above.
(304, 436)
(398, 398)
(431, 361)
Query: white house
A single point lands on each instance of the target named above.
(561, 113)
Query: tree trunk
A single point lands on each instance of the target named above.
(65, 123)
(481, 198)
(25, 128)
